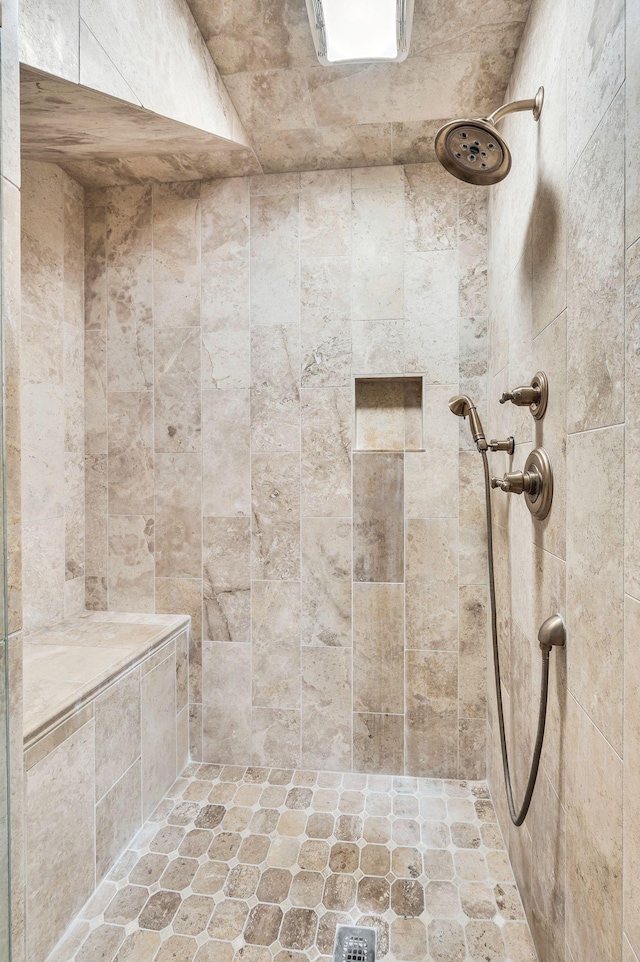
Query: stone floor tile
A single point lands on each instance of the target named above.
(407, 898)
(274, 885)
(159, 911)
(126, 905)
(446, 941)
(177, 948)
(477, 900)
(257, 865)
(242, 881)
(339, 893)
(263, 924)
(193, 915)
(299, 928)
(141, 946)
(484, 942)
(101, 944)
(409, 939)
(306, 890)
(228, 919)
(373, 895)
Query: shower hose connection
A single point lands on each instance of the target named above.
(517, 817)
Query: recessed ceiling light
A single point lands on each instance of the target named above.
(352, 31)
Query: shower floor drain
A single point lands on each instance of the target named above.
(354, 943)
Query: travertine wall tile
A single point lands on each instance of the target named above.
(221, 313)
(226, 460)
(131, 563)
(378, 551)
(275, 609)
(178, 527)
(177, 411)
(430, 315)
(378, 743)
(594, 841)
(275, 272)
(325, 313)
(226, 702)
(129, 288)
(131, 483)
(326, 709)
(275, 391)
(378, 648)
(595, 328)
(325, 213)
(632, 425)
(431, 719)
(472, 685)
(276, 516)
(558, 228)
(117, 726)
(377, 228)
(326, 453)
(631, 776)
(226, 569)
(176, 255)
(326, 582)
(431, 209)
(276, 737)
(52, 392)
(158, 732)
(595, 576)
(70, 848)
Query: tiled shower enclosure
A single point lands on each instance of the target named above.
(226, 323)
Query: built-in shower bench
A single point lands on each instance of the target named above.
(105, 736)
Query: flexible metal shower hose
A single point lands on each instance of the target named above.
(517, 817)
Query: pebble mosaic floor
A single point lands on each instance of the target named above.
(260, 864)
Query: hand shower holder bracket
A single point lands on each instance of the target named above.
(535, 483)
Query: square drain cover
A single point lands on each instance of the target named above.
(354, 943)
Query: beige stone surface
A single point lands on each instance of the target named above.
(279, 335)
(631, 839)
(594, 840)
(158, 732)
(326, 582)
(378, 653)
(61, 782)
(595, 557)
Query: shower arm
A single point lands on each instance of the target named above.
(534, 104)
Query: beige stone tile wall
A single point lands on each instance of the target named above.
(224, 322)
(93, 781)
(564, 233)
(52, 396)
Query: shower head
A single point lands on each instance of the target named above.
(474, 151)
(462, 406)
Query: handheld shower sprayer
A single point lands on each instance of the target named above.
(462, 406)
(536, 482)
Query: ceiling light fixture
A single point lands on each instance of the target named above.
(357, 31)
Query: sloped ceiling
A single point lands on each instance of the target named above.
(303, 116)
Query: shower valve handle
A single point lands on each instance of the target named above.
(518, 482)
(522, 396)
(534, 396)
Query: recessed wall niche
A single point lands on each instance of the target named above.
(389, 414)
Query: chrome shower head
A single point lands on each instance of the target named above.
(462, 406)
(474, 151)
